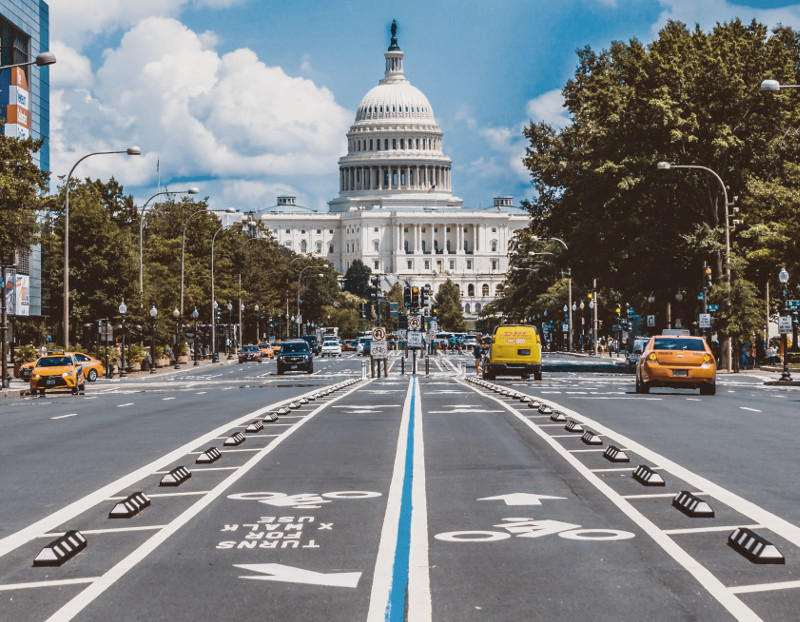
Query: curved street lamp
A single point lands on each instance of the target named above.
(154, 315)
(191, 190)
(177, 315)
(123, 309)
(129, 151)
(195, 315)
(41, 60)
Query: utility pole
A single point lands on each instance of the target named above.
(569, 305)
(594, 318)
(3, 326)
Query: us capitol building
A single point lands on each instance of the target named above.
(396, 210)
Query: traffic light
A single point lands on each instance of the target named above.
(406, 297)
(364, 310)
(415, 296)
(707, 280)
(435, 310)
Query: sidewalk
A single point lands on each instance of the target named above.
(20, 387)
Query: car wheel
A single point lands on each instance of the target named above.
(526, 376)
(708, 389)
(638, 384)
(537, 375)
(92, 375)
(280, 370)
(310, 370)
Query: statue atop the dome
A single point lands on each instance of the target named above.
(393, 43)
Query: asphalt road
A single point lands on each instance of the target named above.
(432, 497)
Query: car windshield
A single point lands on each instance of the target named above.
(294, 347)
(54, 361)
(330, 342)
(666, 343)
(250, 348)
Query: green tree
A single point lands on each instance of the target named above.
(356, 279)
(448, 299)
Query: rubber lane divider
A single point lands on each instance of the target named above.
(573, 426)
(175, 477)
(615, 454)
(254, 427)
(271, 417)
(692, 506)
(234, 439)
(647, 476)
(212, 454)
(545, 409)
(590, 438)
(61, 549)
(754, 547)
(130, 506)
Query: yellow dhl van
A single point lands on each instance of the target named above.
(515, 351)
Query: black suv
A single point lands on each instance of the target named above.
(295, 355)
(313, 343)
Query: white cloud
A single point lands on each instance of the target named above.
(708, 12)
(218, 4)
(204, 115)
(73, 70)
(509, 143)
(305, 64)
(548, 107)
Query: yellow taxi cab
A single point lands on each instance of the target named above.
(92, 368)
(679, 361)
(515, 351)
(276, 347)
(57, 370)
(266, 350)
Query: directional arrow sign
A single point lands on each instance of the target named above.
(520, 498)
(290, 574)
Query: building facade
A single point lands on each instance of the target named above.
(396, 210)
(25, 106)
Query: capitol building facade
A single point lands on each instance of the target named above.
(396, 210)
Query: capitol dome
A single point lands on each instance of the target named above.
(394, 148)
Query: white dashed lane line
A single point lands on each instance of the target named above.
(64, 416)
(164, 399)
(125, 404)
(752, 410)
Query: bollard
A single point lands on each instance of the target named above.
(402, 367)
(427, 366)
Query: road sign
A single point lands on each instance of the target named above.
(378, 334)
(414, 339)
(712, 308)
(414, 322)
(785, 324)
(651, 321)
(704, 320)
(401, 333)
(793, 304)
(379, 349)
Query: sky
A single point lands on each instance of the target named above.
(250, 99)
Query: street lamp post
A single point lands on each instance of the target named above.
(228, 338)
(666, 166)
(154, 315)
(583, 327)
(619, 326)
(177, 315)
(123, 309)
(128, 151)
(786, 376)
(258, 324)
(214, 344)
(41, 60)
(195, 315)
(192, 190)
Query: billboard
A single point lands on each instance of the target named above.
(16, 104)
(18, 293)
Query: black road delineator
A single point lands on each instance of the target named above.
(754, 547)
(647, 476)
(212, 454)
(234, 439)
(557, 416)
(615, 454)
(61, 549)
(294, 405)
(282, 411)
(130, 506)
(254, 427)
(304, 400)
(270, 417)
(590, 438)
(545, 409)
(692, 505)
(175, 477)
(573, 426)
(534, 404)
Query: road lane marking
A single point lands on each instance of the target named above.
(753, 410)
(125, 404)
(90, 532)
(153, 495)
(64, 416)
(54, 583)
(70, 511)
(764, 587)
(164, 399)
(710, 529)
(705, 577)
(401, 578)
(581, 451)
(199, 469)
(80, 601)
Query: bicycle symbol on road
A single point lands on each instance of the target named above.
(530, 528)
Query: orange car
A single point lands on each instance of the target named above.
(678, 361)
(92, 368)
(276, 347)
(266, 350)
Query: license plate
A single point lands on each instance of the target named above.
(294, 366)
(680, 372)
(51, 381)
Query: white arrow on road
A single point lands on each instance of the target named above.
(291, 574)
(520, 498)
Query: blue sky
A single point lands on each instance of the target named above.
(252, 98)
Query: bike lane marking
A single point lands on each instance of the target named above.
(84, 598)
(706, 578)
(402, 567)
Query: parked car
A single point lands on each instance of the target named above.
(331, 347)
(679, 361)
(250, 353)
(639, 344)
(350, 345)
(295, 355)
(57, 371)
(515, 351)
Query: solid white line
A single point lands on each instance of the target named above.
(90, 532)
(652, 495)
(165, 399)
(572, 435)
(64, 416)
(752, 410)
(382, 575)
(711, 583)
(581, 451)
(153, 495)
(198, 469)
(124, 405)
(613, 470)
(53, 583)
(764, 587)
(68, 512)
(419, 580)
(85, 597)
(710, 529)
